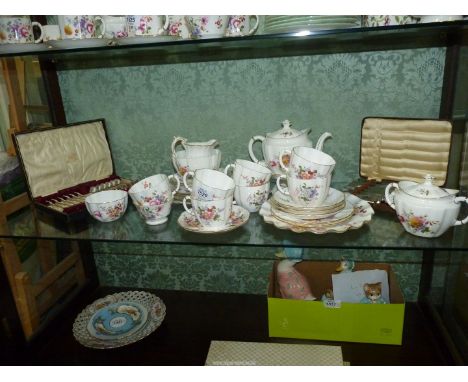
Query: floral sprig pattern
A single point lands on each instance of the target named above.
(252, 181)
(304, 173)
(258, 198)
(16, 31)
(110, 213)
(417, 223)
(209, 213)
(307, 193)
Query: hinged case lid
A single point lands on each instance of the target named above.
(57, 158)
(405, 149)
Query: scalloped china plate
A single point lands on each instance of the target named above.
(239, 216)
(334, 198)
(132, 304)
(362, 213)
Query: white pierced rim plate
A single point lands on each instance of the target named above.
(239, 216)
(126, 317)
(362, 213)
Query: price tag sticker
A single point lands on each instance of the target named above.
(334, 304)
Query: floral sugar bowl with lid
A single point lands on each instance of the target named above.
(423, 208)
(283, 139)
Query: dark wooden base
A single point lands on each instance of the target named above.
(194, 319)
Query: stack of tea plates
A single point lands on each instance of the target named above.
(119, 319)
(285, 24)
(339, 213)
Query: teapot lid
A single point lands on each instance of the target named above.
(286, 131)
(425, 190)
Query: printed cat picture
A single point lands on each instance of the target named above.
(373, 294)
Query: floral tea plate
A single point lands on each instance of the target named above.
(334, 199)
(117, 320)
(362, 213)
(133, 304)
(239, 216)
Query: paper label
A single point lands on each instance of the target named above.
(332, 304)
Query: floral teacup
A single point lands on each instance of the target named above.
(80, 27)
(210, 213)
(153, 197)
(147, 25)
(18, 30)
(207, 26)
(209, 184)
(107, 206)
(248, 173)
(178, 27)
(305, 192)
(240, 26)
(252, 198)
(307, 163)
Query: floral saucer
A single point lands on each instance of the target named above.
(123, 317)
(189, 222)
(334, 198)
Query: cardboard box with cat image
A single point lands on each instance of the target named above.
(350, 322)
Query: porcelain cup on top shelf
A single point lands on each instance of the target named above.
(209, 184)
(18, 30)
(212, 26)
(153, 197)
(81, 26)
(239, 25)
(147, 25)
(247, 173)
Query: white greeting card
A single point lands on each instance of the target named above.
(349, 287)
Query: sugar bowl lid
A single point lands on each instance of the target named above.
(424, 190)
(286, 131)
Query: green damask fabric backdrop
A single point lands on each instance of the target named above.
(145, 106)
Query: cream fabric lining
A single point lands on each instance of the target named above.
(398, 149)
(65, 157)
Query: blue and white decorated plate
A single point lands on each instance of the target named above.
(119, 319)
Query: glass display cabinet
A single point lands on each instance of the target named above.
(232, 88)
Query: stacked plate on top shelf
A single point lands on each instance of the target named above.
(339, 213)
(289, 24)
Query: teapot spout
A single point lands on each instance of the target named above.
(321, 140)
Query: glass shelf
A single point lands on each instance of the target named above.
(257, 46)
(383, 232)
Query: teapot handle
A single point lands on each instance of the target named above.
(251, 142)
(175, 142)
(460, 199)
(389, 196)
(321, 140)
(280, 159)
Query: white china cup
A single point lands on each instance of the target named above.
(18, 30)
(147, 25)
(252, 198)
(240, 25)
(212, 26)
(178, 27)
(107, 206)
(248, 173)
(146, 190)
(210, 213)
(183, 162)
(77, 27)
(307, 163)
(116, 27)
(51, 32)
(209, 184)
(307, 193)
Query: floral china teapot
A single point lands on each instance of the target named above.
(423, 208)
(283, 139)
(194, 149)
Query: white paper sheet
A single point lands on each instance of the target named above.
(349, 287)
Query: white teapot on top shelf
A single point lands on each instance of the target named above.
(283, 139)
